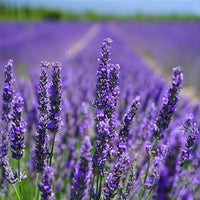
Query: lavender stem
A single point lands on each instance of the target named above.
(36, 188)
(20, 187)
(91, 190)
(16, 192)
(146, 174)
(52, 147)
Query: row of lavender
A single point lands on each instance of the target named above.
(168, 44)
(113, 149)
(29, 42)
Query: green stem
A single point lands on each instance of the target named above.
(16, 192)
(36, 188)
(150, 193)
(145, 178)
(52, 147)
(147, 171)
(100, 186)
(97, 186)
(20, 186)
(91, 190)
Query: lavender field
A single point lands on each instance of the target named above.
(116, 118)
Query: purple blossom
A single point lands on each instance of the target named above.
(46, 187)
(193, 132)
(125, 126)
(7, 174)
(83, 171)
(113, 180)
(55, 99)
(18, 128)
(102, 122)
(130, 185)
(169, 105)
(169, 170)
(41, 137)
(8, 91)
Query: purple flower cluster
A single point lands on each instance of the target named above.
(112, 183)
(125, 126)
(42, 138)
(55, 99)
(101, 101)
(83, 171)
(193, 132)
(169, 170)
(46, 187)
(18, 128)
(8, 91)
(169, 105)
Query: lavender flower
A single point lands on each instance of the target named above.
(169, 105)
(129, 186)
(18, 128)
(189, 144)
(102, 76)
(112, 183)
(124, 130)
(114, 177)
(8, 175)
(169, 171)
(83, 172)
(8, 91)
(102, 123)
(111, 102)
(42, 138)
(46, 187)
(102, 147)
(4, 163)
(55, 99)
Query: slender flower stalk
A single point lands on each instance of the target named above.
(111, 102)
(169, 171)
(83, 171)
(185, 153)
(112, 183)
(129, 187)
(55, 104)
(8, 93)
(102, 122)
(46, 187)
(125, 126)
(41, 137)
(18, 128)
(165, 116)
(17, 133)
(169, 105)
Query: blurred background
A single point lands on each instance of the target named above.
(162, 33)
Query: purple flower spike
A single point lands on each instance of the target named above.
(169, 170)
(112, 183)
(18, 128)
(185, 153)
(102, 121)
(83, 171)
(41, 137)
(124, 130)
(46, 187)
(8, 91)
(55, 99)
(169, 105)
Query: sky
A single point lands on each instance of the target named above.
(123, 7)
